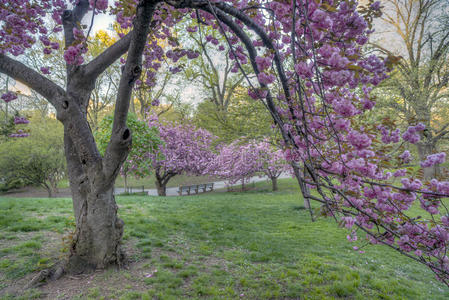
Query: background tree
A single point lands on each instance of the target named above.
(145, 140)
(216, 74)
(238, 161)
(11, 112)
(419, 84)
(185, 149)
(272, 162)
(243, 118)
(106, 86)
(36, 160)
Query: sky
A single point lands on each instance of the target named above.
(105, 21)
(101, 22)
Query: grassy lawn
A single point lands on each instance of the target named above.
(251, 245)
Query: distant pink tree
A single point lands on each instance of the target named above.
(236, 162)
(239, 161)
(185, 149)
(272, 162)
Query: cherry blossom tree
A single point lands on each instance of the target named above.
(238, 161)
(241, 160)
(312, 76)
(185, 149)
(272, 162)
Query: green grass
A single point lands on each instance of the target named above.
(149, 182)
(251, 245)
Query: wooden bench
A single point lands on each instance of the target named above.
(195, 188)
(209, 186)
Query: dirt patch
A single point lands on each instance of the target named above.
(111, 282)
(50, 249)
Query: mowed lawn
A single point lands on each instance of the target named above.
(251, 245)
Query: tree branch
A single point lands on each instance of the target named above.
(71, 19)
(120, 141)
(20, 72)
(100, 63)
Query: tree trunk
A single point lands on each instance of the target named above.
(54, 185)
(98, 234)
(243, 184)
(425, 148)
(304, 188)
(274, 183)
(49, 190)
(125, 180)
(161, 188)
(97, 238)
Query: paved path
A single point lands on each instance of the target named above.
(173, 191)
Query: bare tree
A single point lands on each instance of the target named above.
(420, 80)
(214, 71)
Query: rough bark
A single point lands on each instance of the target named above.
(96, 242)
(97, 239)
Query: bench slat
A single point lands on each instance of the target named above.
(196, 188)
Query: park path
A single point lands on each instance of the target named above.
(173, 191)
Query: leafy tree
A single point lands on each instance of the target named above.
(36, 160)
(145, 139)
(185, 149)
(243, 118)
(216, 73)
(307, 59)
(102, 97)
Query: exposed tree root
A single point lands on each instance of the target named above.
(53, 273)
(72, 266)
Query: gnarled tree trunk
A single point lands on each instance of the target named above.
(162, 178)
(96, 242)
(49, 190)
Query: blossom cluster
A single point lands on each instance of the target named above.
(9, 96)
(20, 120)
(20, 134)
(185, 149)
